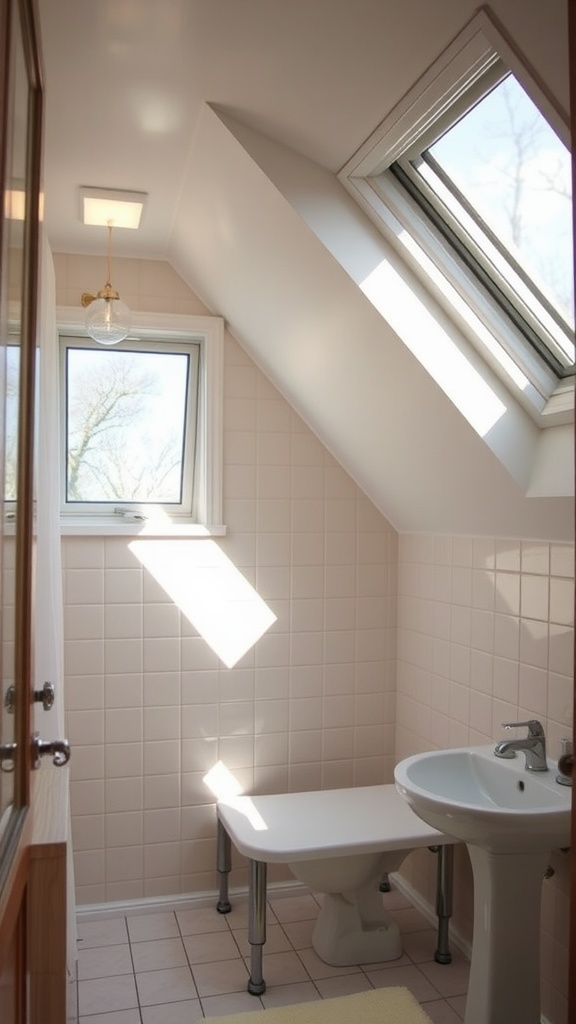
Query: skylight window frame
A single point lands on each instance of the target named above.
(473, 63)
(205, 516)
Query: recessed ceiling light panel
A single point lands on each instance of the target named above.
(115, 207)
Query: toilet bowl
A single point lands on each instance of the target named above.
(352, 926)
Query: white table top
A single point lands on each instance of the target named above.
(325, 823)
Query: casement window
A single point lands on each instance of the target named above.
(471, 175)
(141, 430)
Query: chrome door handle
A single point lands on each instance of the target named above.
(58, 749)
(45, 696)
(7, 756)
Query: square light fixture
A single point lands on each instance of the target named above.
(115, 207)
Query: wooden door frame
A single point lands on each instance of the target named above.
(572, 911)
(19, 47)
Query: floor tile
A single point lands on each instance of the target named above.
(104, 962)
(237, 917)
(400, 961)
(159, 925)
(449, 979)
(343, 985)
(234, 1002)
(158, 954)
(116, 1017)
(458, 1003)
(201, 949)
(299, 933)
(409, 977)
(107, 932)
(283, 969)
(289, 995)
(201, 921)
(189, 1011)
(217, 979)
(295, 908)
(166, 967)
(172, 985)
(440, 1012)
(117, 994)
(277, 940)
(318, 969)
(420, 946)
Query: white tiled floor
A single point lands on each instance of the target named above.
(179, 967)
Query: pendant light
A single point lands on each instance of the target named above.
(107, 318)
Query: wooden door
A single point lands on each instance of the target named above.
(572, 939)
(20, 145)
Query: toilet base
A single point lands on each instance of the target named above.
(354, 928)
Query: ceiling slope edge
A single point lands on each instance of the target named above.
(540, 460)
(251, 256)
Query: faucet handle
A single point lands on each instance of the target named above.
(535, 728)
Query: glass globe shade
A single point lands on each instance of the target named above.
(108, 320)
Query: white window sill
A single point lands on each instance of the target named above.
(76, 526)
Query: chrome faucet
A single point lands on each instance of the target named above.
(533, 745)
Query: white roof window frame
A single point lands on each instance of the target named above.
(474, 53)
(206, 519)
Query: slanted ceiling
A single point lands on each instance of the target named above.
(272, 99)
(302, 317)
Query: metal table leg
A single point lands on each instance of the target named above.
(444, 887)
(224, 864)
(257, 925)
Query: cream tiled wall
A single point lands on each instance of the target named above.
(150, 708)
(485, 636)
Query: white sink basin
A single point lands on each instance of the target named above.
(484, 800)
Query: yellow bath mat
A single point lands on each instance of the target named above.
(378, 1006)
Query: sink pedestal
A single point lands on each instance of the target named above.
(511, 819)
(505, 968)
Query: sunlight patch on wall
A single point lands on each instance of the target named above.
(210, 591)
(427, 340)
(225, 786)
(222, 782)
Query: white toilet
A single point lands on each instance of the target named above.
(352, 927)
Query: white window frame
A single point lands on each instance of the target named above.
(206, 519)
(478, 48)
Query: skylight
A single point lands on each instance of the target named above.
(499, 181)
(470, 178)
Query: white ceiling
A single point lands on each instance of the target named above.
(234, 116)
(126, 81)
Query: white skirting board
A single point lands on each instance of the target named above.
(99, 911)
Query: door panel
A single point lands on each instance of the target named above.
(572, 939)
(13, 942)
(20, 135)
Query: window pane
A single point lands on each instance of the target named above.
(125, 425)
(512, 169)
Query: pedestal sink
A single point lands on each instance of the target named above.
(510, 819)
